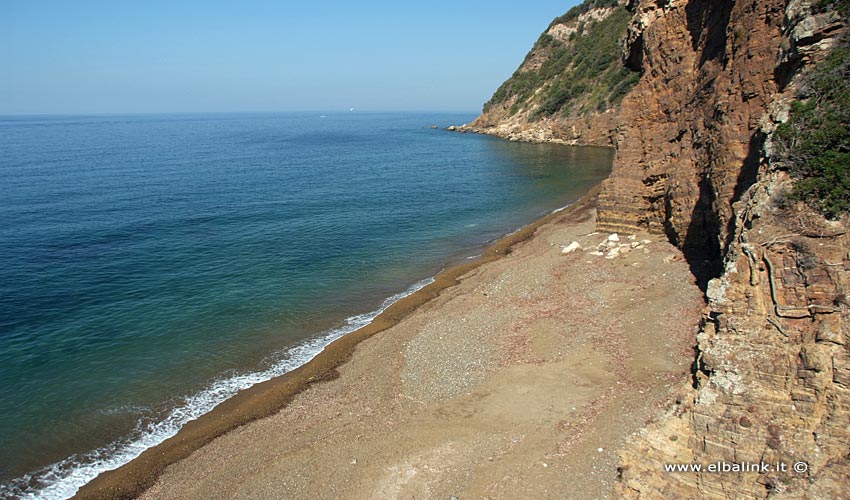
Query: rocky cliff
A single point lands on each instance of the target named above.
(696, 160)
(569, 87)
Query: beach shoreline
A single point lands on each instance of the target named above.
(523, 380)
(268, 397)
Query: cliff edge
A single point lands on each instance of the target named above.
(697, 159)
(704, 153)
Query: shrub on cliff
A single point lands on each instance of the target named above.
(574, 76)
(842, 6)
(588, 68)
(815, 141)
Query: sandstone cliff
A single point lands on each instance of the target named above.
(695, 160)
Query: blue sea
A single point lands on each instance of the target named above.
(153, 265)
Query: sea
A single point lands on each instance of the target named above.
(151, 266)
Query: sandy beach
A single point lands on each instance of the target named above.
(223, 225)
(517, 377)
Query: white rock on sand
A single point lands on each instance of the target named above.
(613, 237)
(461, 379)
(572, 247)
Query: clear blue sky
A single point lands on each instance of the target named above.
(157, 56)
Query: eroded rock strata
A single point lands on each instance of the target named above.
(695, 160)
(771, 376)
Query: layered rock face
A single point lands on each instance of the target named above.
(694, 160)
(772, 373)
(688, 142)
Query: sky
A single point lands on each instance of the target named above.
(122, 56)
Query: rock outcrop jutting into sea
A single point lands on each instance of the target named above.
(695, 160)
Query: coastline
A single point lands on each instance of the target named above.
(597, 131)
(289, 308)
(268, 397)
(523, 380)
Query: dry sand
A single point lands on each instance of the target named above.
(522, 381)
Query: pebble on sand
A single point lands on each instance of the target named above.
(572, 247)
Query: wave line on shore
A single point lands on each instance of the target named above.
(63, 479)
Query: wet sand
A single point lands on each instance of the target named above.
(516, 376)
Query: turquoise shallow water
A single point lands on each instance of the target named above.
(152, 265)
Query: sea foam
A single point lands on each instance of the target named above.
(63, 479)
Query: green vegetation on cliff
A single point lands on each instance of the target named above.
(581, 74)
(842, 6)
(582, 8)
(815, 141)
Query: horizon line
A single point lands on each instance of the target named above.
(269, 112)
